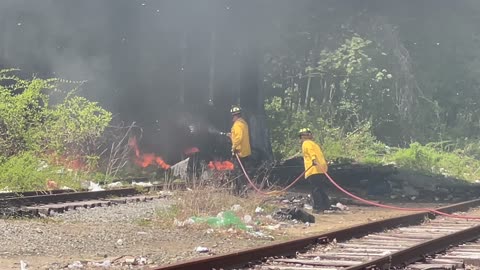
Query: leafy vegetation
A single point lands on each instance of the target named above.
(26, 171)
(40, 141)
(433, 160)
(355, 94)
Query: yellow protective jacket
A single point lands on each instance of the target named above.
(311, 151)
(240, 138)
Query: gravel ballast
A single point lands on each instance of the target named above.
(124, 232)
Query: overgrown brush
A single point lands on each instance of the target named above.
(431, 160)
(26, 171)
(459, 160)
(34, 131)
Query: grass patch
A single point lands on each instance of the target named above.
(144, 222)
(26, 171)
(436, 161)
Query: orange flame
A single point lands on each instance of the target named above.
(145, 160)
(191, 151)
(221, 165)
(73, 162)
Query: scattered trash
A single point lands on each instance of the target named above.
(142, 261)
(340, 207)
(142, 233)
(104, 264)
(165, 193)
(5, 190)
(223, 219)
(273, 227)
(210, 231)
(184, 223)
(236, 208)
(294, 213)
(142, 184)
(259, 210)
(130, 261)
(94, 187)
(247, 219)
(200, 249)
(119, 242)
(114, 184)
(180, 169)
(75, 265)
(307, 206)
(261, 235)
(23, 265)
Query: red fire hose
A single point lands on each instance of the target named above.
(353, 196)
(270, 192)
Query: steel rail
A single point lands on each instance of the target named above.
(418, 252)
(251, 256)
(5, 195)
(73, 196)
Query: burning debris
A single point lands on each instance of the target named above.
(191, 151)
(221, 165)
(147, 159)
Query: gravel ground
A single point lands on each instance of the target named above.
(106, 234)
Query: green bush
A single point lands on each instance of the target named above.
(73, 127)
(26, 171)
(359, 145)
(33, 131)
(431, 160)
(22, 105)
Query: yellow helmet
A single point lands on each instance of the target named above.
(304, 131)
(235, 110)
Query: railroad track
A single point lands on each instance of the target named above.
(5, 195)
(403, 242)
(39, 204)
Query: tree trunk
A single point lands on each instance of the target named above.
(252, 101)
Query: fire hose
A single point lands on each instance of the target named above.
(351, 195)
(274, 192)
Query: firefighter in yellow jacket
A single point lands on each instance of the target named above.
(315, 166)
(241, 146)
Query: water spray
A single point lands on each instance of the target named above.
(213, 130)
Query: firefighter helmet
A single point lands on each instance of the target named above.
(304, 131)
(235, 110)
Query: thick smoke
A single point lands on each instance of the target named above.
(136, 56)
(148, 61)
